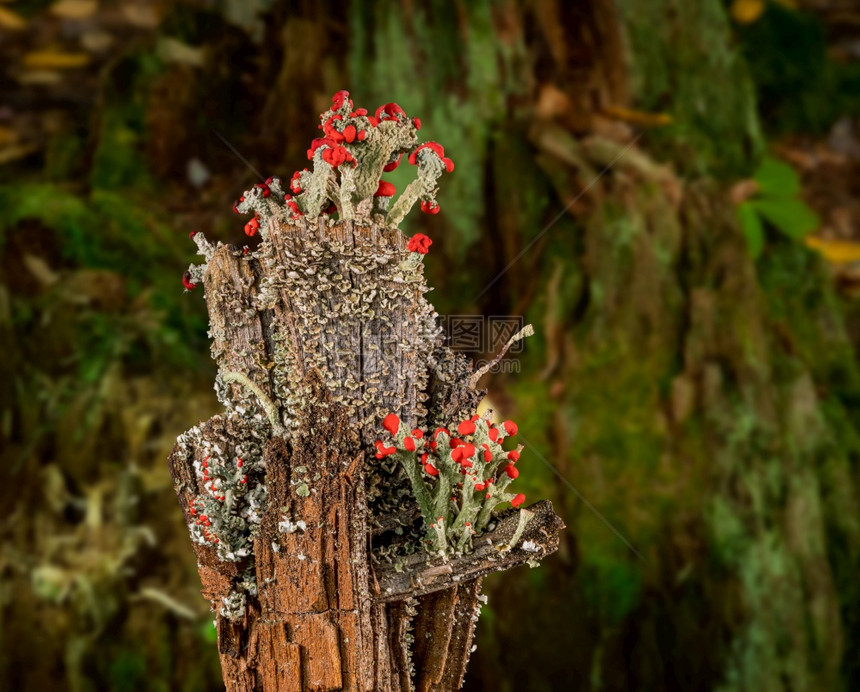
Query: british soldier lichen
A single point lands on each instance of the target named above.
(225, 515)
(348, 163)
(458, 478)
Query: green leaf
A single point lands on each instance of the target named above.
(752, 228)
(777, 179)
(789, 216)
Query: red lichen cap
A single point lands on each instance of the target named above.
(320, 142)
(437, 149)
(385, 189)
(512, 471)
(383, 451)
(514, 455)
(409, 444)
(467, 427)
(328, 127)
(518, 500)
(430, 207)
(252, 227)
(335, 156)
(432, 470)
(510, 427)
(389, 111)
(295, 182)
(391, 423)
(419, 243)
(394, 164)
(339, 99)
(187, 282)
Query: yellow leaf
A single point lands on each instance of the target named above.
(7, 136)
(40, 77)
(638, 117)
(13, 153)
(74, 9)
(835, 251)
(48, 59)
(747, 11)
(143, 16)
(10, 20)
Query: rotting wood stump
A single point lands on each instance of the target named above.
(335, 561)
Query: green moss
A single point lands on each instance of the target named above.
(684, 73)
(801, 88)
(108, 231)
(469, 118)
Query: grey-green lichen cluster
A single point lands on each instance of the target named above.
(357, 310)
(348, 165)
(227, 513)
(457, 479)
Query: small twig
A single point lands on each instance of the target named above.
(520, 537)
(269, 405)
(528, 330)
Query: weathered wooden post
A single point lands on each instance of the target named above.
(342, 507)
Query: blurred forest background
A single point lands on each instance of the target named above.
(694, 377)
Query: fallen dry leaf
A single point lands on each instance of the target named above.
(143, 16)
(173, 50)
(638, 117)
(7, 136)
(39, 268)
(10, 20)
(552, 102)
(97, 41)
(835, 251)
(74, 9)
(13, 153)
(743, 190)
(36, 77)
(747, 11)
(55, 60)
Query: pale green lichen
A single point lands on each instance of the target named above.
(348, 165)
(457, 481)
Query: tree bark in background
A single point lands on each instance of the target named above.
(698, 399)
